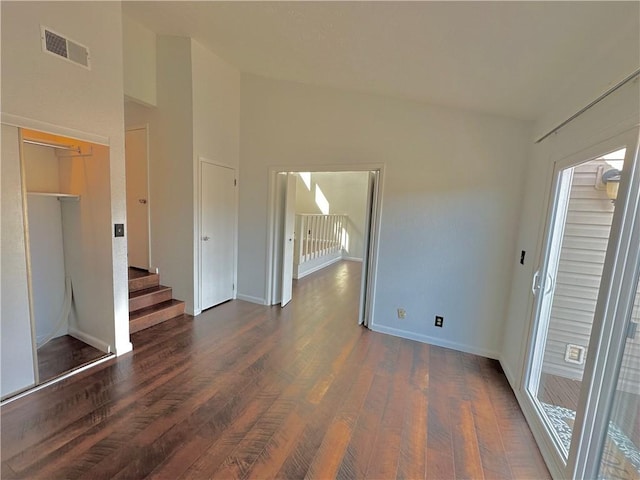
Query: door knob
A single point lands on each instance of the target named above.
(142, 200)
(206, 239)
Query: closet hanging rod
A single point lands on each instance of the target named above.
(58, 146)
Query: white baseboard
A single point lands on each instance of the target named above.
(90, 340)
(315, 268)
(128, 347)
(434, 341)
(249, 298)
(351, 259)
(511, 378)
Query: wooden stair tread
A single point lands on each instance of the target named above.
(150, 316)
(144, 282)
(138, 273)
(148, 291)
(148, 297)
(155, 308)
(149, 302)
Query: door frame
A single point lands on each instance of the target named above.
(145, 127)
(272, 267)
(590, 429)
(198, 222)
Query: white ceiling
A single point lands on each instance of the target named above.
(507, 58)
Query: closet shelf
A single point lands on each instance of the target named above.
(60, 196)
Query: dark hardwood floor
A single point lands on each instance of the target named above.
(63, 354)
(247, 391)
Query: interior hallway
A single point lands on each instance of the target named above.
(245, 390)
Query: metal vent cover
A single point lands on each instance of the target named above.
(60, 46)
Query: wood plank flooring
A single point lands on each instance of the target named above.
(247, 391)
(63, 354)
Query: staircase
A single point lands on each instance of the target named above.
(149, 302)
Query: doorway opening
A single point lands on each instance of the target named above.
(138, 214)
(319, 218)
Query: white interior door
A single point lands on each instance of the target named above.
(217, 234)
(137, 197)
(287, 244)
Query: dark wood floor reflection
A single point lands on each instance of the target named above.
(63, 354)
(247, 391)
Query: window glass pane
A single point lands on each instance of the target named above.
(569, 293)
(621, 455)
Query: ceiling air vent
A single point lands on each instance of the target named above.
(60, 46)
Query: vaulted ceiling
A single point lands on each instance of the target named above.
(508, 58)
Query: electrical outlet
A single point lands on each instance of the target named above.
(402, 313)
(439, 321)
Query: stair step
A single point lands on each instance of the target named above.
(148, 297)
(143, 281)
(149, 316)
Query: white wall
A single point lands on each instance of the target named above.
(216, 107)
(615, 59)
(87, 230)
(197, 115)
(346, 193)
(42, 172)
(171, 169)
(451, 195)
(47, 267)
(139, 58)
(50, 94)
(216, 129)
(16, 361)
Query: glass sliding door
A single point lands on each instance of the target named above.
(573, 290)
(620, 457)
(569, 287)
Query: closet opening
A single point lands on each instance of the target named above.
(66, 218)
